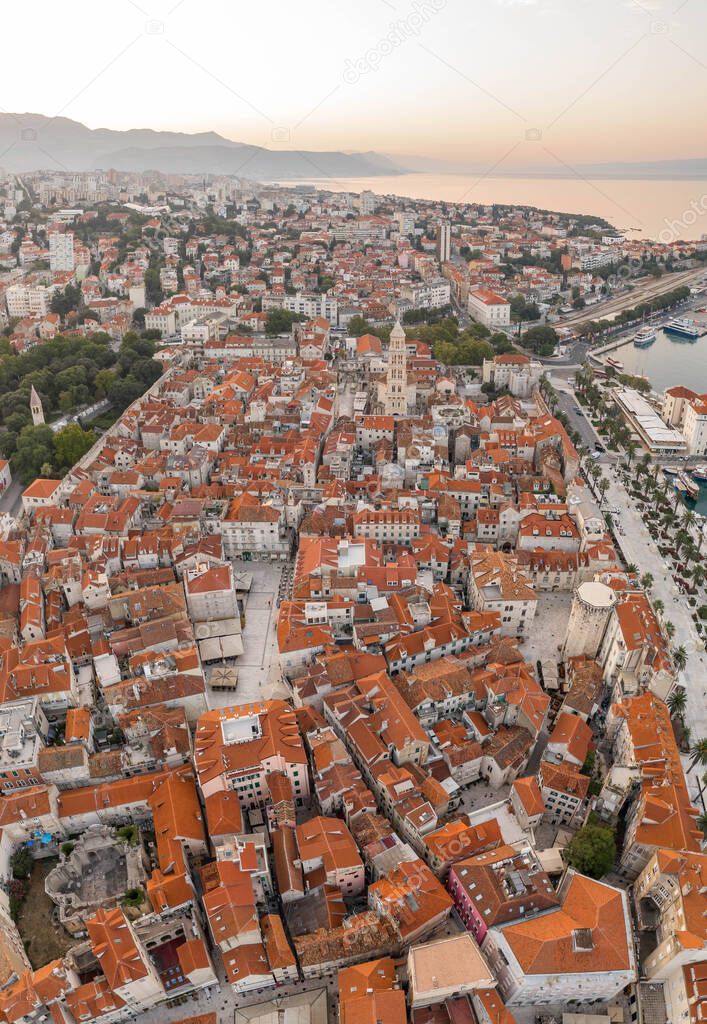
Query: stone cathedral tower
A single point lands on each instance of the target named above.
(35, 406)
(396, 390)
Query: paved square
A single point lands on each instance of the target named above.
(547, 633)
(259, 676)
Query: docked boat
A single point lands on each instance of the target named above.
(616, 363)
(645, 337)
(670, 470)
(685, 485)
(699, 473)
(683, 326)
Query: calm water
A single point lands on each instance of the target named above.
(644, 209)
(668, 361)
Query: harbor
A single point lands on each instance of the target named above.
(666, 359)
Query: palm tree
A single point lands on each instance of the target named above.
(680, 658)
(647, 580)
(644, 463)
(630, 448)
(603, 486)
(658, 605)
(677, 703)
(689, 518)
(699, 574)
(702, 824)
(669, 518)
(698, 753)
(682, 537)
(669, 630)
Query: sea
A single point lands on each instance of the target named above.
(663, 210)
(669, 361)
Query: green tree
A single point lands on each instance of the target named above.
(677, 702)
(647, 580)
(280, 321)
(592, 851)
(541, 340)
(630, 448)
(523, 310)
(153, 288)
(21, 863)
(357, 327)
(103, 381)
(35, 450)
(70, 444)
(680, 658)
(698, 753)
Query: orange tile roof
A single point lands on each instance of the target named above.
(114, 947)
(277, 948)
(587, 934)
(530, 796)
(279, 738)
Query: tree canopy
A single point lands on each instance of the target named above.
(280, 321)
(592, 850)
(67, 372)
(541, 340)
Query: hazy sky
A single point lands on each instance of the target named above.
(474, 81)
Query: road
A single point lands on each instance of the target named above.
(11, 499)
(568, 404)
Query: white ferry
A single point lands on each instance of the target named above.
(683, 326)
(645, 337)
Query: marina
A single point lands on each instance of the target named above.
(667, 361)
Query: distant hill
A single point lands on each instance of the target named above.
(657, 170)
(32, 142)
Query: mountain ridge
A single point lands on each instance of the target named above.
(35, 142)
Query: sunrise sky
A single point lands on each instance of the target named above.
(470, 81)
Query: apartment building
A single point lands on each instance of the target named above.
(61, 250)
(237, 748)
(496, 584)
(670, 897)
(580, 951)
(500, 886)
(328, 854)
(24, 300)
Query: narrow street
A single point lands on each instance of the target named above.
(11, 499)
